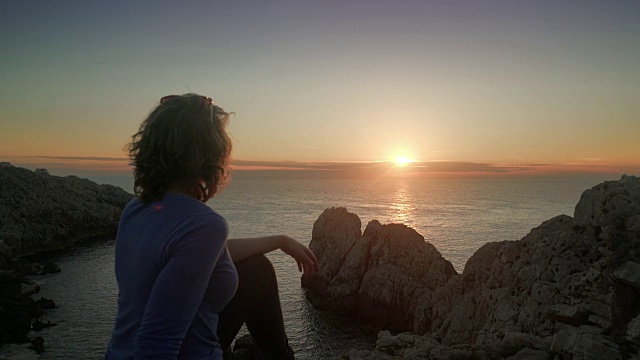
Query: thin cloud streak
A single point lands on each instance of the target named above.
(418, 166)
(353, 168)
(89, 158)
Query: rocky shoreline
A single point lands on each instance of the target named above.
(41, 214)
(570, 289)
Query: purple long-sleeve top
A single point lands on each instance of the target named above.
(174, 275)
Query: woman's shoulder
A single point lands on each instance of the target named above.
(174, 208)
(190, 209)
(206, 224)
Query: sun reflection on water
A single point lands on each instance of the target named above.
(403, 207)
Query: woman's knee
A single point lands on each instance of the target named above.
(256, 267)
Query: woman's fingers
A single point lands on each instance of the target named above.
(307, 262)
(312, 257)
(307, 265)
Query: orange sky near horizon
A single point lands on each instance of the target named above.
(538, 88)
(431, 169)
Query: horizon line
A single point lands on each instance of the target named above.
(415, 168)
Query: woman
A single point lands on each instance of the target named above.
(175, 268)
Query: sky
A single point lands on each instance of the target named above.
(453, 86)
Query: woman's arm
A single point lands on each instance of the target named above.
(244, 248)
(178, 290)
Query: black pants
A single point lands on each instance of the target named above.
(257, 304)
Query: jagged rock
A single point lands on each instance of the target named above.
(49, 267)
(26, 267)
(46, 304)
(5, 255)
(10, 284)
(530, 354)
(243, 348)
(29, 289)
(523, 340)
(381, 276)
(43, 212)
(633, 330)
(388, 344)
(39, 325)
(612, 209)
(37, 344)
(609, 203)
(569, 287)
(15, 310)
(586, 343)
(411, 346)
(629, 274)
(339, 231)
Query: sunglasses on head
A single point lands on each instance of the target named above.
(164, 99)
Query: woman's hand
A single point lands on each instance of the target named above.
(307, 262)
(244, 248)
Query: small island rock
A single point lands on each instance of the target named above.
(383, 275)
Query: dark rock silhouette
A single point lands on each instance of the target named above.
(40, 212)
(243, 349)
(17, 308)
(39, 325)
(50, 267)
(46, 304)
(380, 275)
(37, 344)
(570, 287)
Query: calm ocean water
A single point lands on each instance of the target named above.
(456, 215)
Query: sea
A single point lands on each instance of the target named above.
(457, 215)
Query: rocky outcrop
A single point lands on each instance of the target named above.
(40, 212)
(384, 275)
(17, 308)
(570, 287)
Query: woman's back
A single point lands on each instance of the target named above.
(169, 254)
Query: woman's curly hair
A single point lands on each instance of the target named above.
(183, 141)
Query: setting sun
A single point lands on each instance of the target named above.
(402, 161)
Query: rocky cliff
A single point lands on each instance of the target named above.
(40, 212)
(570, 288)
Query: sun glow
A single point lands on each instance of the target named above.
(402, 161)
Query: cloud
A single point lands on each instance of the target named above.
(470, 167)
(379, 166)
(593, 159)
(79, 165)
(87, 158)
(435, 168)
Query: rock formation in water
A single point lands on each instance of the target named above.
(570, 288)
(384, 275)
(40, 212)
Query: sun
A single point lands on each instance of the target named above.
(402, 161)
